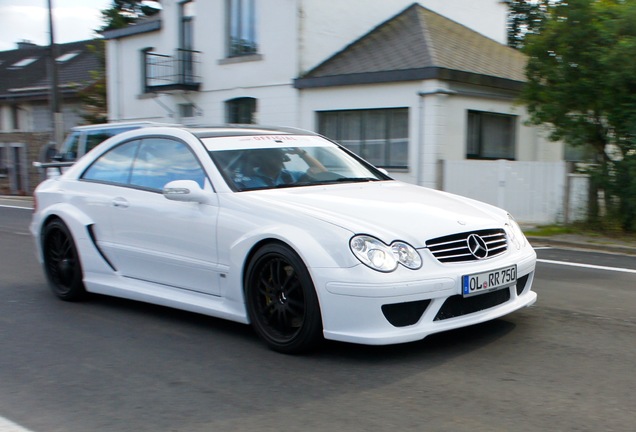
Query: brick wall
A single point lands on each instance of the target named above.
(33, 142)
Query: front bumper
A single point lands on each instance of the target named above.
(380, 309)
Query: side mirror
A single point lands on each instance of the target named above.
(186, 191)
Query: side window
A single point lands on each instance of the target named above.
(113, 166)
(160, 161)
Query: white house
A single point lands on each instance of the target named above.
(423, 89)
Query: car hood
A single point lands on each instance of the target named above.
(389, 210)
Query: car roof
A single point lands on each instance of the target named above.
(243, 130)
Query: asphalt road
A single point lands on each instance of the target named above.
(566, 364)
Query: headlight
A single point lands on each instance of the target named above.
(516, 235)
(378, 256)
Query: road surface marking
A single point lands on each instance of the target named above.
(9, 426)
(590, 266)
(16, 207)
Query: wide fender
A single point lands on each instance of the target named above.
(324, 248)
(76, 221)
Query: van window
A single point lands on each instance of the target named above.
(71, 147)
(96, 137)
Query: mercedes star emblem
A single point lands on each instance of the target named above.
(477, 246)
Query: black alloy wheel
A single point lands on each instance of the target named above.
(61, 262)
(281, 300)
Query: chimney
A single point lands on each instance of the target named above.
(25, 44)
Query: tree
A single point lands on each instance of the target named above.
(525, 17)
(581, 81)
(123, 13)
(93, 96)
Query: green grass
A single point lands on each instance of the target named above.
(598, 235)
(550, 230)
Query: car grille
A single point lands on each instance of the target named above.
(457, 305)
(455, 248)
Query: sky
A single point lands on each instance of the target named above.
(73, 20)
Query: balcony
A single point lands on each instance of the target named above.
(171, 73)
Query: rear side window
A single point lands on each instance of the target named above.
(114, 166)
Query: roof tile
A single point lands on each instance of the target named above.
(14, 82)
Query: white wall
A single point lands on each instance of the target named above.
(267, 76)
(292, 35)
(392, 95)
(437, 121)
(531, 143)
(124, 71)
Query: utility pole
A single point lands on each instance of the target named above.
(56, 112)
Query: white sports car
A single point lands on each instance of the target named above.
(279, 228)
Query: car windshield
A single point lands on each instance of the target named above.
(314, 161)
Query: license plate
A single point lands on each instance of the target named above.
(489, 281)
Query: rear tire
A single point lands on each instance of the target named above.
(61, 262)
(281, 300)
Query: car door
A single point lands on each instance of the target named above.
(158, 240)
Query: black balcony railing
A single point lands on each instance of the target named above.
(178, 72)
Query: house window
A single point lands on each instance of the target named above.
(15, 116)
(187, 13)
(186, 110)
(381, 136)
(490, 136)
(66, 57)
(241, 110)
(242, 28)
(23, 63)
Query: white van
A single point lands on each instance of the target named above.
(83, 139)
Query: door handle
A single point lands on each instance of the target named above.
(120, 202)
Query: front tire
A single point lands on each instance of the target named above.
(61, 262)
(281, 300)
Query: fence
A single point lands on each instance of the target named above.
(533, 192)
(18, 150)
